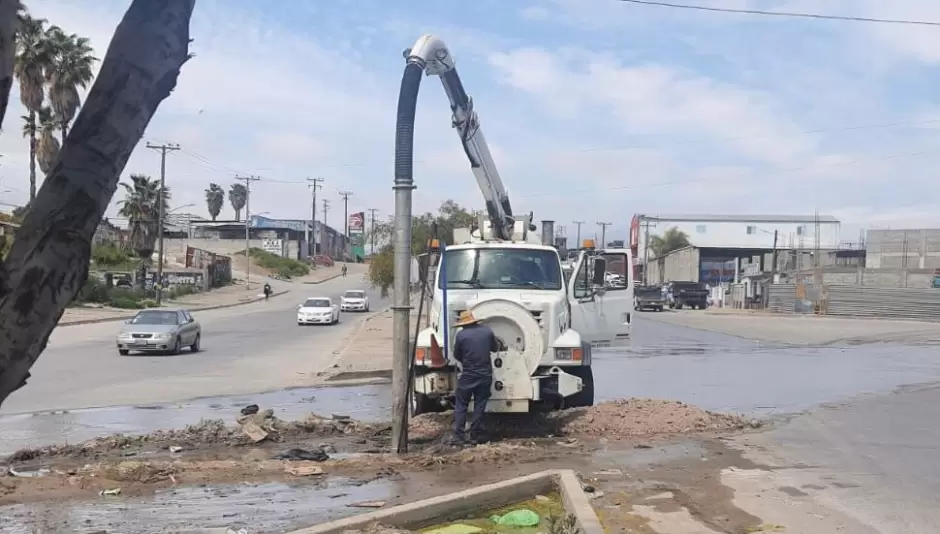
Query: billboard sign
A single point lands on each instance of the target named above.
(356, 223)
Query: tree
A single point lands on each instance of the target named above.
(238, 197)
(141, 207)
(423, 228)
(47, 149)
(48, 263)
(70, 69)
(215, 200)
(33, 57)
(672, 239)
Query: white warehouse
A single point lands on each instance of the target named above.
(740, 231)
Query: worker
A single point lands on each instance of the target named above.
(472, 347)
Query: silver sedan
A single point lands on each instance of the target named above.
(159, 330)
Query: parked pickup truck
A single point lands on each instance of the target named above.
(648, 298)
(691, 294)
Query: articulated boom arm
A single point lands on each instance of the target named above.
(432, 55)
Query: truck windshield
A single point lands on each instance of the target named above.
(502, 268)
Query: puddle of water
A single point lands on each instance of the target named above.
(548, 506)
(726, 373)
(260, 508)
(366, 403)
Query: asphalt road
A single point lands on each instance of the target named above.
(250, 348)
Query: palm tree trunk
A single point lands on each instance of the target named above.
(32, 156)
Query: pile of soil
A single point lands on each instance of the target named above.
(617, 419)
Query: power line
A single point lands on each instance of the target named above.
(604, 225)
(578, 243)
(789, 14)
(372, 230)
(346, 195)
(314, 184)
(247, 180)
(161, 216)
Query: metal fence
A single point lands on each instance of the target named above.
(781, 298)
(883, 302)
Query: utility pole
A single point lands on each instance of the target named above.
(773, 267)
(603, 226)
(646, 250)
(326, 209)
(372, 229)
(578, 243)
(314, 184)
(345, 195)
(247, 180)
(163, 149)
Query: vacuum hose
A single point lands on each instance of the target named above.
(404, 177)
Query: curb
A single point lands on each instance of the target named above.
(327, 279)
(347, 343)
(197, 309)
(427, 512)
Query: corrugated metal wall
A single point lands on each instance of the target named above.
(781, 298)
(884, 302)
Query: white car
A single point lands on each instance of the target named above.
(317, 310)
(354, 300)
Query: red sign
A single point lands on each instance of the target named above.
(635, 233)
(356, 222)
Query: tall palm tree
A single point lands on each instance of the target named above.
(238, 197)
(33, 57)
(141, 207)
(70, 69)
(47, 148)
(215, 200)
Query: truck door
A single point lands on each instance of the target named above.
(616, 305)
(585, 311)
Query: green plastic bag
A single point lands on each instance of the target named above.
(517, 518)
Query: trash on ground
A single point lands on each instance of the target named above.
(367, 504)
(25, 473)
(303, 470)
(254, 432)
(175, 448)
(112, 492)
(303, 455)
(517, 518)
(251, 409)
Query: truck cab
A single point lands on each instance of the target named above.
(549, 317)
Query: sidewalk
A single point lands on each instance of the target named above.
(224, 297)
(368, 352)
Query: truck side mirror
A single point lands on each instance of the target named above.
(600, 272)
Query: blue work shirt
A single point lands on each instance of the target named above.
(472, 348)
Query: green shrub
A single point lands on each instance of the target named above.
(181, 291)
(148, 303)
(94, 290)
(109, 255)
(126, 303)
(285, 267)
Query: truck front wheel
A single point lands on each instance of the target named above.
(585, 397)
(421, 403)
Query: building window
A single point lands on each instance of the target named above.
(700, 228)
(751, 230)
(799, 230)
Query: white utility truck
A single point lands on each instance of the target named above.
(549, 318)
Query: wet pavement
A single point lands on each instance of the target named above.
(710, 370)
(891, 446)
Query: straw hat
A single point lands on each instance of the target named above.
(466, 318)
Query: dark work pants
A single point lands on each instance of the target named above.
(478, 389)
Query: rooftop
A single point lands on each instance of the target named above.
(778, 219)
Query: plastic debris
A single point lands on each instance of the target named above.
(315, 455)
(457, 528)
(251, 409)
(25, 473)
(175, 448)
(113, 492)
(517, 518)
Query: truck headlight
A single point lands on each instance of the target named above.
(569, 354)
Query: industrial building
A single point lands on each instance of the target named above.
(905, 249)
(723, 247)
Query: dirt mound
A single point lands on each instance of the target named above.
(615, 419)
(643, 417)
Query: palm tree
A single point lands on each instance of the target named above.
(672, 239)
(215, 200)
(141, 207)
(238, 197)
(47, 149)
(33, 57)
(70, 69)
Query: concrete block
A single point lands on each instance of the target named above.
(460, 504)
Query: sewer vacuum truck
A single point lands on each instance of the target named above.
(550, 319)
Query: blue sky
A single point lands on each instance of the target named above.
(594, 109)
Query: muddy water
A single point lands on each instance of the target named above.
(273, 507)
(711, 370)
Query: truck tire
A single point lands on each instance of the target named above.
(678, 306)
(586, 396)
(421, 403)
